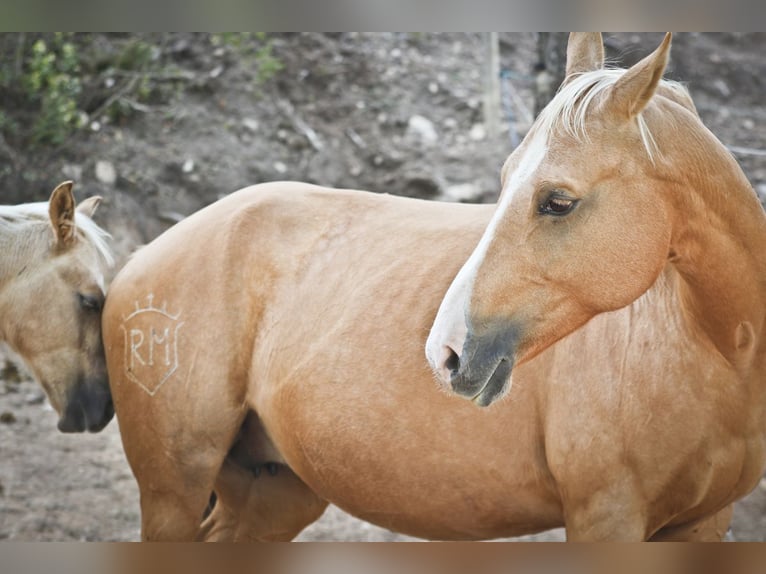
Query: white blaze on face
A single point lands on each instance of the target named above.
(450, 328)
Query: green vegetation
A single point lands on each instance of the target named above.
(53, 84)
(48, 81)
(257, 47)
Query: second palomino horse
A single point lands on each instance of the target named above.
(53, 258)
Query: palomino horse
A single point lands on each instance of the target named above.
(52, 263)
(270, 347)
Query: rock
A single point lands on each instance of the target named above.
(172, 217)
(423, 129)
(250, 124)
(105, 172)
(280, 167)
(450, 123)
(215, 72)
(478, 132)
(722, 88)
(35, 398)
(10, 372)
(72, 171)
(7, 417)
(462, 192)
(420, 186)
(188, 166)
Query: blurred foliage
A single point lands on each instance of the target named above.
(43, 74)
(53, 84)
(254, 46)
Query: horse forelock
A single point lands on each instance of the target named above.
(15, 216)
(569, 108)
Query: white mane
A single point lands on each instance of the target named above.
(14, 215)
(569, 108)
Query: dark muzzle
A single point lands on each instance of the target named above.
(89, 407)
(483, 370)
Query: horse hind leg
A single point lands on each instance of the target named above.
(260, 502)
(174, 481)
(174, 497)
(258, 497)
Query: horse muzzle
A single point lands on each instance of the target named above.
(482, 372)
(89, 408)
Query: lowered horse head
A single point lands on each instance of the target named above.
(52, 268)
(601, 195)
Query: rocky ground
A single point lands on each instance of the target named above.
(396, 113)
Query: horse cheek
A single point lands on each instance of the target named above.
(628, 252)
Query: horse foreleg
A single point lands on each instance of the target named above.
(612, 513)
(710, 529)
(604, 518)
(265, 503)
(613, 529)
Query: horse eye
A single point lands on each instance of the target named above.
(90, 302)
(557, 206)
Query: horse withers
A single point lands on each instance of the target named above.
(53, 258)
(270, 347)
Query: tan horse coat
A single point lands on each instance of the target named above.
(308, 308)
(271, 347)
(53, 259)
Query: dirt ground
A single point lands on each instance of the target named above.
(343, 112)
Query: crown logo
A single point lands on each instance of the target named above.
(151, 344)
(150, 307)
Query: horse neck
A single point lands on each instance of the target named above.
(717, 248)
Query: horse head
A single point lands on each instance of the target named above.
(581, 227)
(50, 308)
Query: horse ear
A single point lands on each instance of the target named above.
(88, 206)
(632, 92)
(61, 211)
(585, 53)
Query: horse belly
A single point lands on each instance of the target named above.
(400, 453)
(340, 381)
(415, 489)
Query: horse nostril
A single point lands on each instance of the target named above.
(453, 362)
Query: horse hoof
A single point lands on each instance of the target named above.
(272, 468)
(257, 470)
